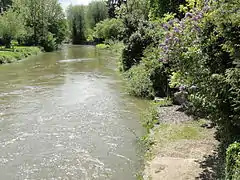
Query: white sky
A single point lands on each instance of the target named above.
(65, 3)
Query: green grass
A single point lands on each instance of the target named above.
(174, 132)
(18, 53)
(167, 133)
(115, 47)
(102, 46)
(164, 102)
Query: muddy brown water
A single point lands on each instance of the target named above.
(64, 115)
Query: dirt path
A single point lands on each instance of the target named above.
(181, 148)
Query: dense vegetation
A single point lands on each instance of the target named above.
(32, 23)
(19, 52)
(82, 20)
(190, 45)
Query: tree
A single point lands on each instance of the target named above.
(42, 17)
(97, 11)
(109, 29)
(77, 24)
(159, 7)
(12, 26)
(113, 5)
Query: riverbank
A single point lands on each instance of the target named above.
(8, 55)
(183, 148)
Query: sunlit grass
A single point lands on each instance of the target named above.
(8, 55)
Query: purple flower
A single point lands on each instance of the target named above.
(171, 22)
(182, 88)
(195, 18)
(198, 29)
(167, 40)
(165, 26)
(182, 24)
(176, 29)
(165, 48)
(188, 14)
(206, 8)
(176, 39)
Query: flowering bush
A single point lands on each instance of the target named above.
(203, 48)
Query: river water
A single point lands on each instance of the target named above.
(64, 115)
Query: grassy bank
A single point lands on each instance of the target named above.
(16, 54)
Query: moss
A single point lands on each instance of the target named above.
(18, 53)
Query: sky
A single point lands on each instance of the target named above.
(65, 3)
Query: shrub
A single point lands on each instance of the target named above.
(149, 78)
(158, 71)
(233, 162)
(109, 29)
(49, 43)
(207, 58)
(133, 51)
(137, 43)
(138, 82)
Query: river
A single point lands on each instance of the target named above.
(65, 116)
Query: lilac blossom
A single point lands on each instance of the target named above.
(176, 29)
(182, 88)
(165, 26)
(171, 22)
(206, 8)
(176, 39)
(188, 14)
(198, 29)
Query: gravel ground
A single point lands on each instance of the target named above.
(172, 114)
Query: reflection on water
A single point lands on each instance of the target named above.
(63, 115)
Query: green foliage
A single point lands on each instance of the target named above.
(163, 102)
(49, 43)
(8, 55)
(12, 26)
(96, 11)
(177, 79)
(149, 78)
(206, 58)
(158, 71)
(233, 162)
(77, 23)
(40, 17)
(109, 29)
(135, 45)
(138, 82)
(159, 7)
(102, 46)
(113, 5)
(150, 118)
